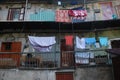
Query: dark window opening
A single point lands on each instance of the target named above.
(16, 14)
(8, 46)
(115, 44)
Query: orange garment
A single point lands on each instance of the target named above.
(69, 40)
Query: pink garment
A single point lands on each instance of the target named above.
(69, 40)
(77, 13)
(107, 10)
(62, 16)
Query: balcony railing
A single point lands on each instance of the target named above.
(68, 59)
(40, 60)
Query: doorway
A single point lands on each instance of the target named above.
(67, 54)
(116, 60)
(64, 76)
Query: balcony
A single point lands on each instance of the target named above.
(54, 60)
(18, 12)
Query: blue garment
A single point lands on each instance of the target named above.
(103, 41)
(77, 20)
(90, 41)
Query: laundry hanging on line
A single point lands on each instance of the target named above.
(103, 41)
(80, 43)
(69, 40)
(43, 44)
(90, 41)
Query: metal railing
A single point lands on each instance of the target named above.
(92, 57)
(54, 59)
(40, 60)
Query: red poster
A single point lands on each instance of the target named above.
(107, 10)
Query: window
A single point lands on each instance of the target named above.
(11, 47)
(115, 44)
(117, 8)
(7, 46)
(16, 14)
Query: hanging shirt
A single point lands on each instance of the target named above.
(80, 43)
(69, 40)
(77, 13)
(82, 57)
(103, 41)
(90, 41)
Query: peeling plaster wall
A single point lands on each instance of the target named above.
(27, 75)
(94, 73)
(89, 73)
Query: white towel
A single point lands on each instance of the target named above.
(80, 43)
(42, 44)
(43, 49)
(42, 41)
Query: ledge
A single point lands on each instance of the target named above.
(37, 26)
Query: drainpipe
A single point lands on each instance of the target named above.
(26, 4)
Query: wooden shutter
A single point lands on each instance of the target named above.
(14, 47)
(64, 76)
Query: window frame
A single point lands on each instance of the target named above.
(21, 13)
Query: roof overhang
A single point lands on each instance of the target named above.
(38, 26)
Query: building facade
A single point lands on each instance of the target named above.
(54, 40)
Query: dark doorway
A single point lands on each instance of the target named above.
(115, 44)
(116, 60)
(67, 54)
(116, 67)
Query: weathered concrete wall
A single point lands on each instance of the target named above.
(111, 34)
(94, 73)
(90, 73)
(23, 38)
(5, 8)
(27, 75)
